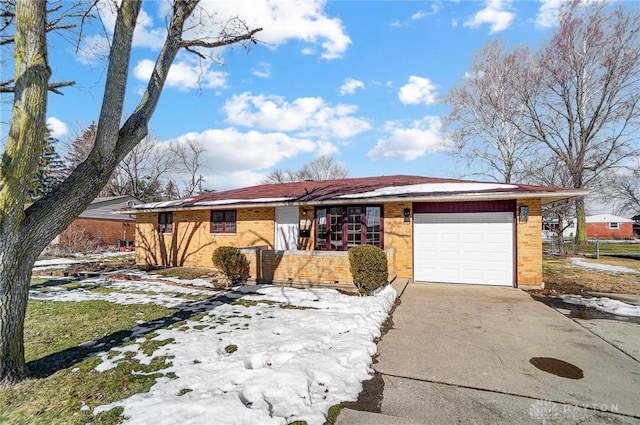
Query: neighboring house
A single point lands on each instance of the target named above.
(99, 221)
(608, 226)
(432, 230)
(636, 225)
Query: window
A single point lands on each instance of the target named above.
(340, 228)
(614, 225)
(165, 222)
(223, 221)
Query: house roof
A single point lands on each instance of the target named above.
(104, 208)
(607, 218)
(363, 189)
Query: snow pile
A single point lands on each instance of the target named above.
(605, 305)
(285, 354)
(256, 355)
(602, 267)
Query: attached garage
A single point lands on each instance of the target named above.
(465, 243)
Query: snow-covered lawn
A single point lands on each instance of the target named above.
(601, 267)
(59, 263)
(255, 355)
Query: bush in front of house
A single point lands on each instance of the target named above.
(368, 267)
(232, 263)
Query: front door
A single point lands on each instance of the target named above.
(287, 221)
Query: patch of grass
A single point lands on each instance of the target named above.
(184, 391)
(609, 248)
(188, 273)
(39, 280)
(151, 345)
(332, 414)
(560, 275)
(51, 326)
(57, 399)
(112, 290)
(296, 307)
(231, 348)
(53, 332)
(252, 303)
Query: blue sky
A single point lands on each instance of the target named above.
(360, 80)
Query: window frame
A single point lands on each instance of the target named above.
(224, 223)
(337, 228)
(165, 222)
(614, 225)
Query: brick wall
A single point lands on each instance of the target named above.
(324, 268)
(398, 234)
(192, 243)
(601, 230)
(106, 231)
(529, 244)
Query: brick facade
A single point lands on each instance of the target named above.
(107, 232)
(529, 244)
(602, 231)
(192, 244)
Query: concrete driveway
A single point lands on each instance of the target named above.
(490, 355)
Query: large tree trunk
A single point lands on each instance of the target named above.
(19, 163)
(581, 222)
(25, 233)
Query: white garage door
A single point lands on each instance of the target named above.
(464, 248)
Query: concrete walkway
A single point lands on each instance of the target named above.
(466, 354)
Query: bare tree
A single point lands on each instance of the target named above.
(281, 176)
(483, 124)
(189, 160)
(623, 188)
(80, 147)
(142, 172)
(583, 98)
(322, 168)
(25, 233)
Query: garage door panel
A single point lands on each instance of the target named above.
(464, 248)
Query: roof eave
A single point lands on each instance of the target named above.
(546, 197)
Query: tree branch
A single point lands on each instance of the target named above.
(6, 87)
(220, 43)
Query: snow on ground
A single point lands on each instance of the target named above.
(59, 263)
(297, 352)
(603, 267)
(605, 305)
(124, 292)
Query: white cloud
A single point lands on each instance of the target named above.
(305, 116)
(419, 15)
(418, 90)
(184, 75)
(262, 70)
(327, 149)
(233, 158)
(284, 20)
(281, 20)
(410, 143)
(57, 127)
(350, 86)
(548, 13)
(496, 13)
